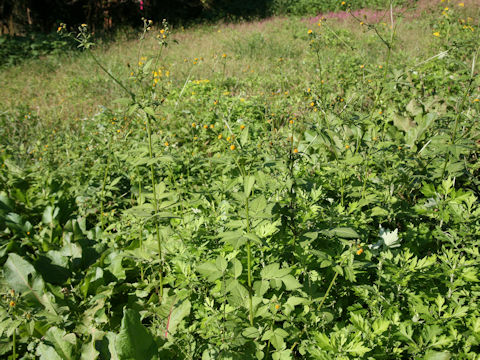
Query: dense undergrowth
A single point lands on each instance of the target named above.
(256, 216)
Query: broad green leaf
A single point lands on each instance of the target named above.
(345, 233)
(179, 312)
(22, 277)
(134, 342)
(63, 344)
(49, 214)
(221, 264)
(276, 337)
(273, 271)
(234, 238)
(251, 333)
(437, 355)
(210, 271)
(291, 283)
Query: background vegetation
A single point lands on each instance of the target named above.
(286, 188)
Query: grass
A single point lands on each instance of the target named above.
(50, 87)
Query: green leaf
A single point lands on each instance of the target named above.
(291, 283)
(210, 271)
(64, 345)
(236, 268)
(273, 271)
(178, 314)
(149, 111)
(248, 185)
(251, 333)
(221, 264)
(437, 355)
(342, 232)
(234, 238)
(49, 214)
(22, 277)
(276, 337)
(134, 342)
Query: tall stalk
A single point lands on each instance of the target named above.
(14, 344)
(155, 201)
(459, 111)
(249, 264)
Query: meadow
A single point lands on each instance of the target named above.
(288, 188)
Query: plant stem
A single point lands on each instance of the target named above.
(14, 344)
(155, 202)
(132, 95)
(249, 265)
(454, 132)
(330, 286)
(103, 192)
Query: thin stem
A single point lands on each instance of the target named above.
(249, 264)
(132, 95)
(155, 202)
(103, 193)
(14, 344)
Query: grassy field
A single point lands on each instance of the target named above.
(292, 188)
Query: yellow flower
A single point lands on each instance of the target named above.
(310, 31)
(476, 100)
(242, 127)
(347, 146)
(343, 3)
(12, 303)
(166, 143)
(162, 31)
(224, 55)
(362, 66)
(232, 147)
(219, 136)
(228, 138)
(295, 150)
(291, 122)
(59, 29)
(436, 33)
(212, 126)
(359, 251)
(461, 4)
(205, 126)
(194, 125)
(312, 104)
(277, 306)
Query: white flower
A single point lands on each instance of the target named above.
(387, 238)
